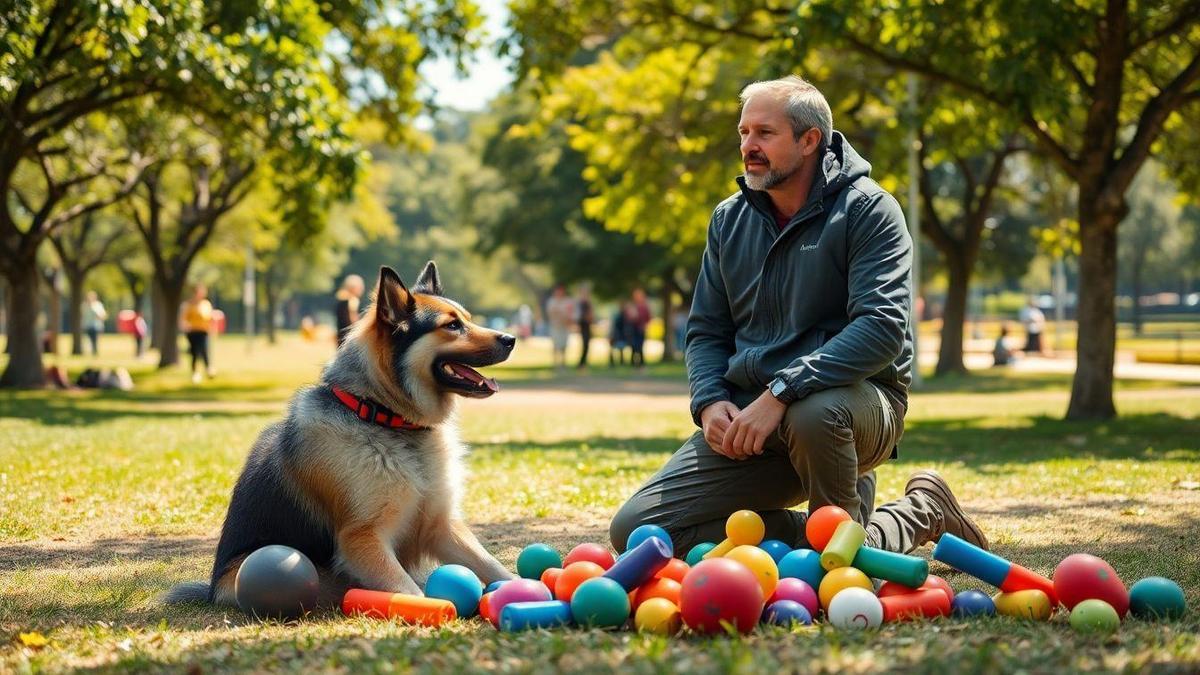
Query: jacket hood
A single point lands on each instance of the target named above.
(840, 167)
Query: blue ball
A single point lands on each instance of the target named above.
(644, 532)
(803, 564)
(695, 555)
(494, 585)
(1157, 598)
(786, 613)
(973, 603)
(600, 602)
(535, 559)
(777, 549)
(457, 584)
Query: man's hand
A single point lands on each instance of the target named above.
(750, 428)
(715, 419)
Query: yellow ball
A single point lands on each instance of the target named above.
(1031, 604)
(761, 563)
(840, 579)
(745, 527)
(657, 615)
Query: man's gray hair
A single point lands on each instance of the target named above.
(806, 105)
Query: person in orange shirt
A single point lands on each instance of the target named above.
(196, 323)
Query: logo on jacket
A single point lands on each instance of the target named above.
(808, 247)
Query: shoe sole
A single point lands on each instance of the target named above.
(932, 481)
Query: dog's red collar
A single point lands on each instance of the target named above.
(370, 411)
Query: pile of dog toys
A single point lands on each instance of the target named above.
(736, 584)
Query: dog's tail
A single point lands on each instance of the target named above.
(188, 592)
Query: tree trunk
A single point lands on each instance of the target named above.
(25, 362)
(1092, 388)
(950, 353)
(54, 311)
(1137, 297)
(271, 290)
(668, 287)
(167, 312)
(157, 320)
(75, 312)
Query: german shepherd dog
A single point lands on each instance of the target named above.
(363, 475)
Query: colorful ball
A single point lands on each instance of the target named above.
(840, 579)
(1095, 616)
(644, 532)
(759, 562)
(675, 569)
(745, 527)
(590, 552)
(535, 559)
(777, 549)
(822, 523)
(890, 588)
(600, 603)
(457, 584)
(573, 575)
(855, 609)
(277, 582)
(485, 609)
(698, 551)
(657, 588)
(973, 603)
(786, 613)
(796, 590)
(550, 577)
(720, 590)
(657, 615)
(1157, 598)
(804, 564)
(1081, 576)
(517, 590)
(1031, 604)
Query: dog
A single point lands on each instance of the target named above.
(364, 474)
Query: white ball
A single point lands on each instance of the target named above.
(855, 609)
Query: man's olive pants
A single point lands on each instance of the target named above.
(824, 452)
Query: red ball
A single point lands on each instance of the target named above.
(656, 588)
(720, 590)
(675, 569)
(1082, 577)
(591, 553)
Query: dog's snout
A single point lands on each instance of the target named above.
(507, 340)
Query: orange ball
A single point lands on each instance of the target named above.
(675, 569)
(822, 523)
(550, 577)
(485, 609)
(658, 588)
(839, 580)
(574, 574)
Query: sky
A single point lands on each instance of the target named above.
(487, 74)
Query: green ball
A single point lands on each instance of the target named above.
(600, 602)
(535, 559)
(698, 551)
(1157, 598)
(1095, 616)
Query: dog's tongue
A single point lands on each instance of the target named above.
(470, 374)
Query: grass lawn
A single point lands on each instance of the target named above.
(107, 499)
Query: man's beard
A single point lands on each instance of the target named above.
(770, 180)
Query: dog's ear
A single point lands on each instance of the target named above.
(429, 282)
(393, 303)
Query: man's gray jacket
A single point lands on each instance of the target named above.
(824, 302)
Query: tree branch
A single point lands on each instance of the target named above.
(1150, 124)
(1182, 21)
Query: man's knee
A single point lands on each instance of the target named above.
(626, 520)
(815, 422)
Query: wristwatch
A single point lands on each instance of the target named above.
(781, 391)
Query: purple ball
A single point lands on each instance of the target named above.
(787, 612)
(797, 590)
(519, 590)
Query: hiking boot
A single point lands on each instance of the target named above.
(954, 520)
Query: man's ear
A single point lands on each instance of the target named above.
(393, 303)
(429, 282)
(810, 142)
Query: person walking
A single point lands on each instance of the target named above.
(94, 316)
(585, 317)
(560, 313)
(197, 323)
(346, 306)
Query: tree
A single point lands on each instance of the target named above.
(1152, 236)
(81, 248)
(249, 64)
(1096, 87)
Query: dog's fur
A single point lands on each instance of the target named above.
(372, 507)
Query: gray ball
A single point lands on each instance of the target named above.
(276, 582)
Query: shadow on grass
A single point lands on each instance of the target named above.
(85, 408)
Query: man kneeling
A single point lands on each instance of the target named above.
(799, 346)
